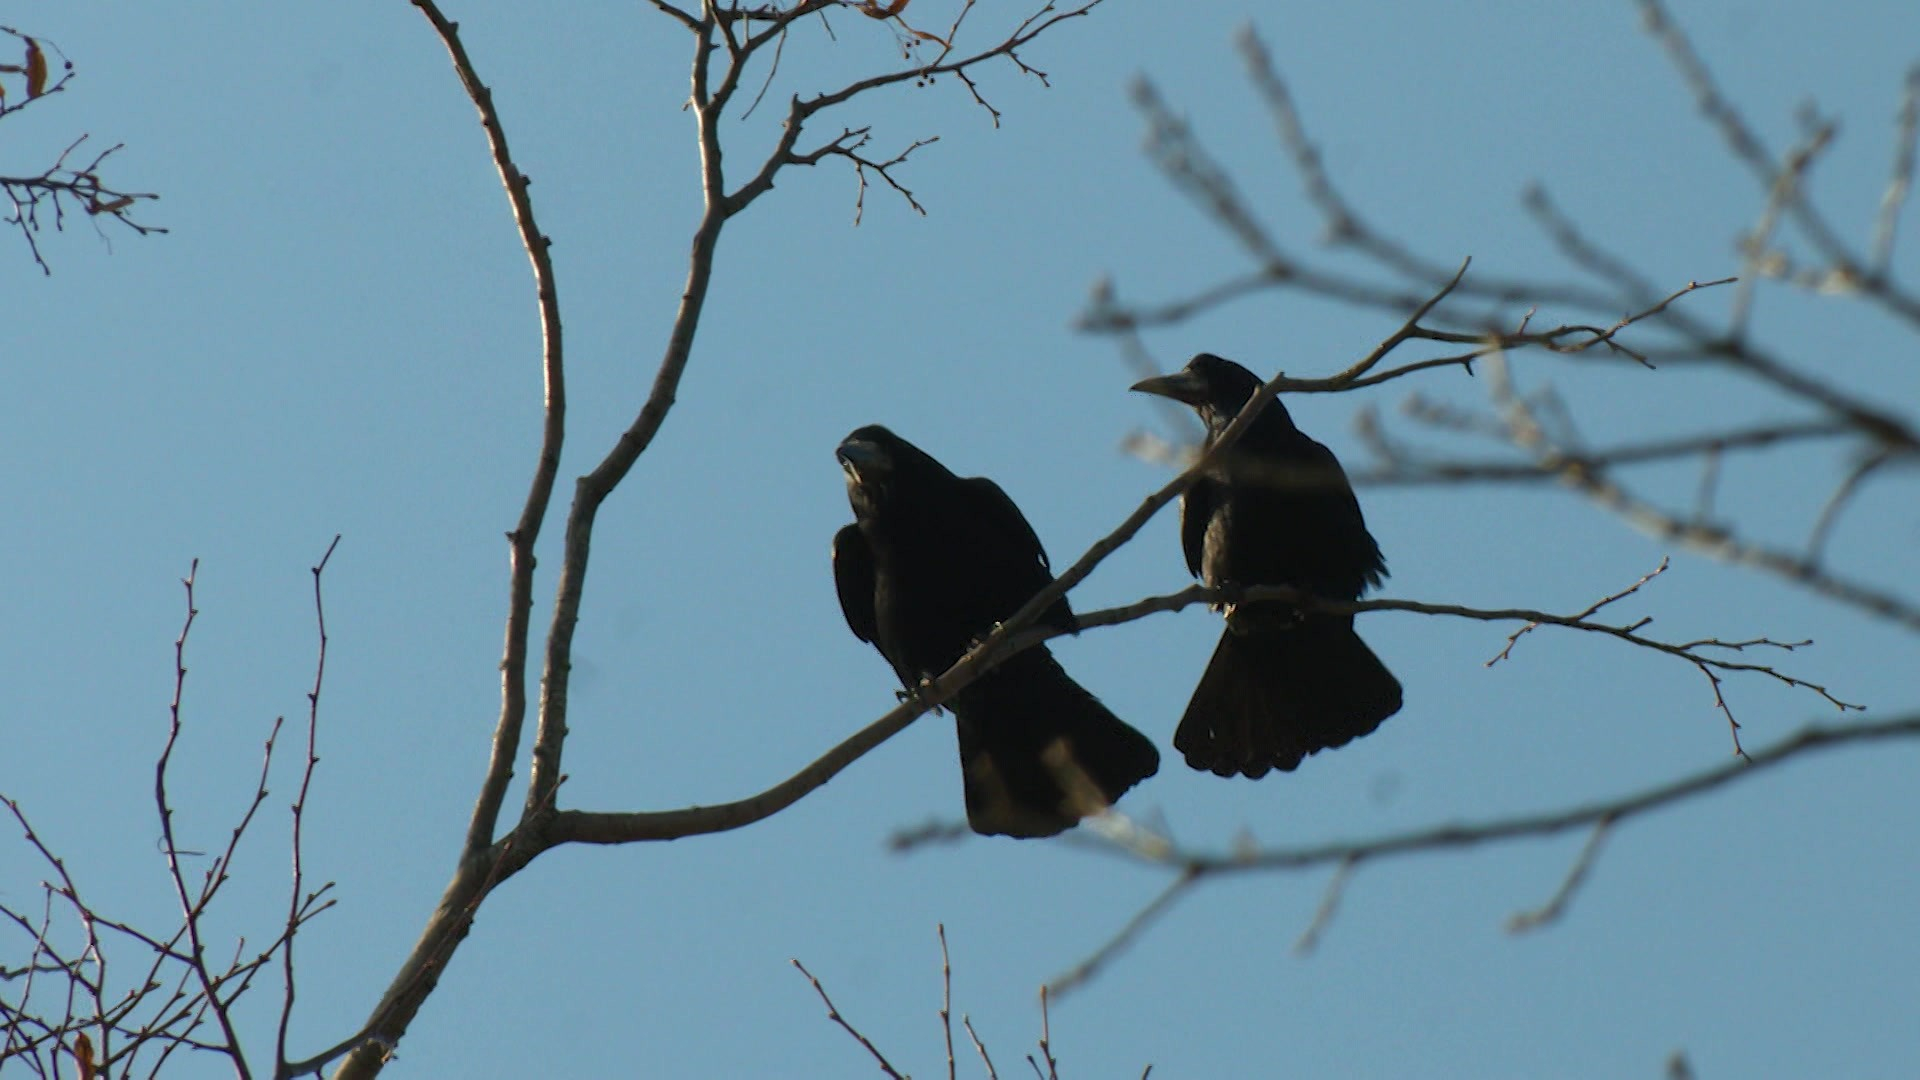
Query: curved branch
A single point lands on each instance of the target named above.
(600, 827)
(513, 662)
(190, 911)
(589, 827)
(365, 1052)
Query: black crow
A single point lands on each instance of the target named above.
(932, 563)
(1278, 510)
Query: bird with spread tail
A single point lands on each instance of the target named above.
(1277, 509)
(932, 563)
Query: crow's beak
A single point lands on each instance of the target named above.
(1183, 386)
(862, 458)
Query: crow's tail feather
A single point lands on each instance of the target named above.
(1274, 693)
(1038, 752)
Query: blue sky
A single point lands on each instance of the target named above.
(339, 336)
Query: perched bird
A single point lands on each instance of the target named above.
(1278, 510)
(932, 563)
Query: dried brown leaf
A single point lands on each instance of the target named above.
(83, 1054)
(36, 70)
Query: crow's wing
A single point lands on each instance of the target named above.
(1196, 512)
(1020, 557)
(853, 577)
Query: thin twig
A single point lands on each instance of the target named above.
(189, 910)
(833, 1014)
(946, 999)
(1046, 1039)
(1078, 975)
(1521, 922)
(1900, 182)
(296, 905)
(1514, 638)
(980, 1048)
(1309, 939)
(521, 541)
(59, 185)
(1830, 513)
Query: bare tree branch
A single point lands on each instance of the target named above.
(60, 188)
(1779, 178)
(579, 826)
(833, 1014)
(1406, 469)
(298, 905)
(1900, 183)
(1521, 922)
(521, 541)
(725, 41)
(980, 1048)
(1336, 891)
(1078, 975)
(1830, 513)
(189, 908)
(1051, 1071)
(946, 1000)
(149, 1013)
(1712, 540)
(1192, 866)
(1473, 316)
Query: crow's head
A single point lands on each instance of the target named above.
(867, 454)
(1216, 387)
(879, 463)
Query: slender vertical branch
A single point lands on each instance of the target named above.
(591, 491)
(366, 1051)
(709, 99)
(520, 542)
(196, 958)
(946, 999)
(296, 907)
